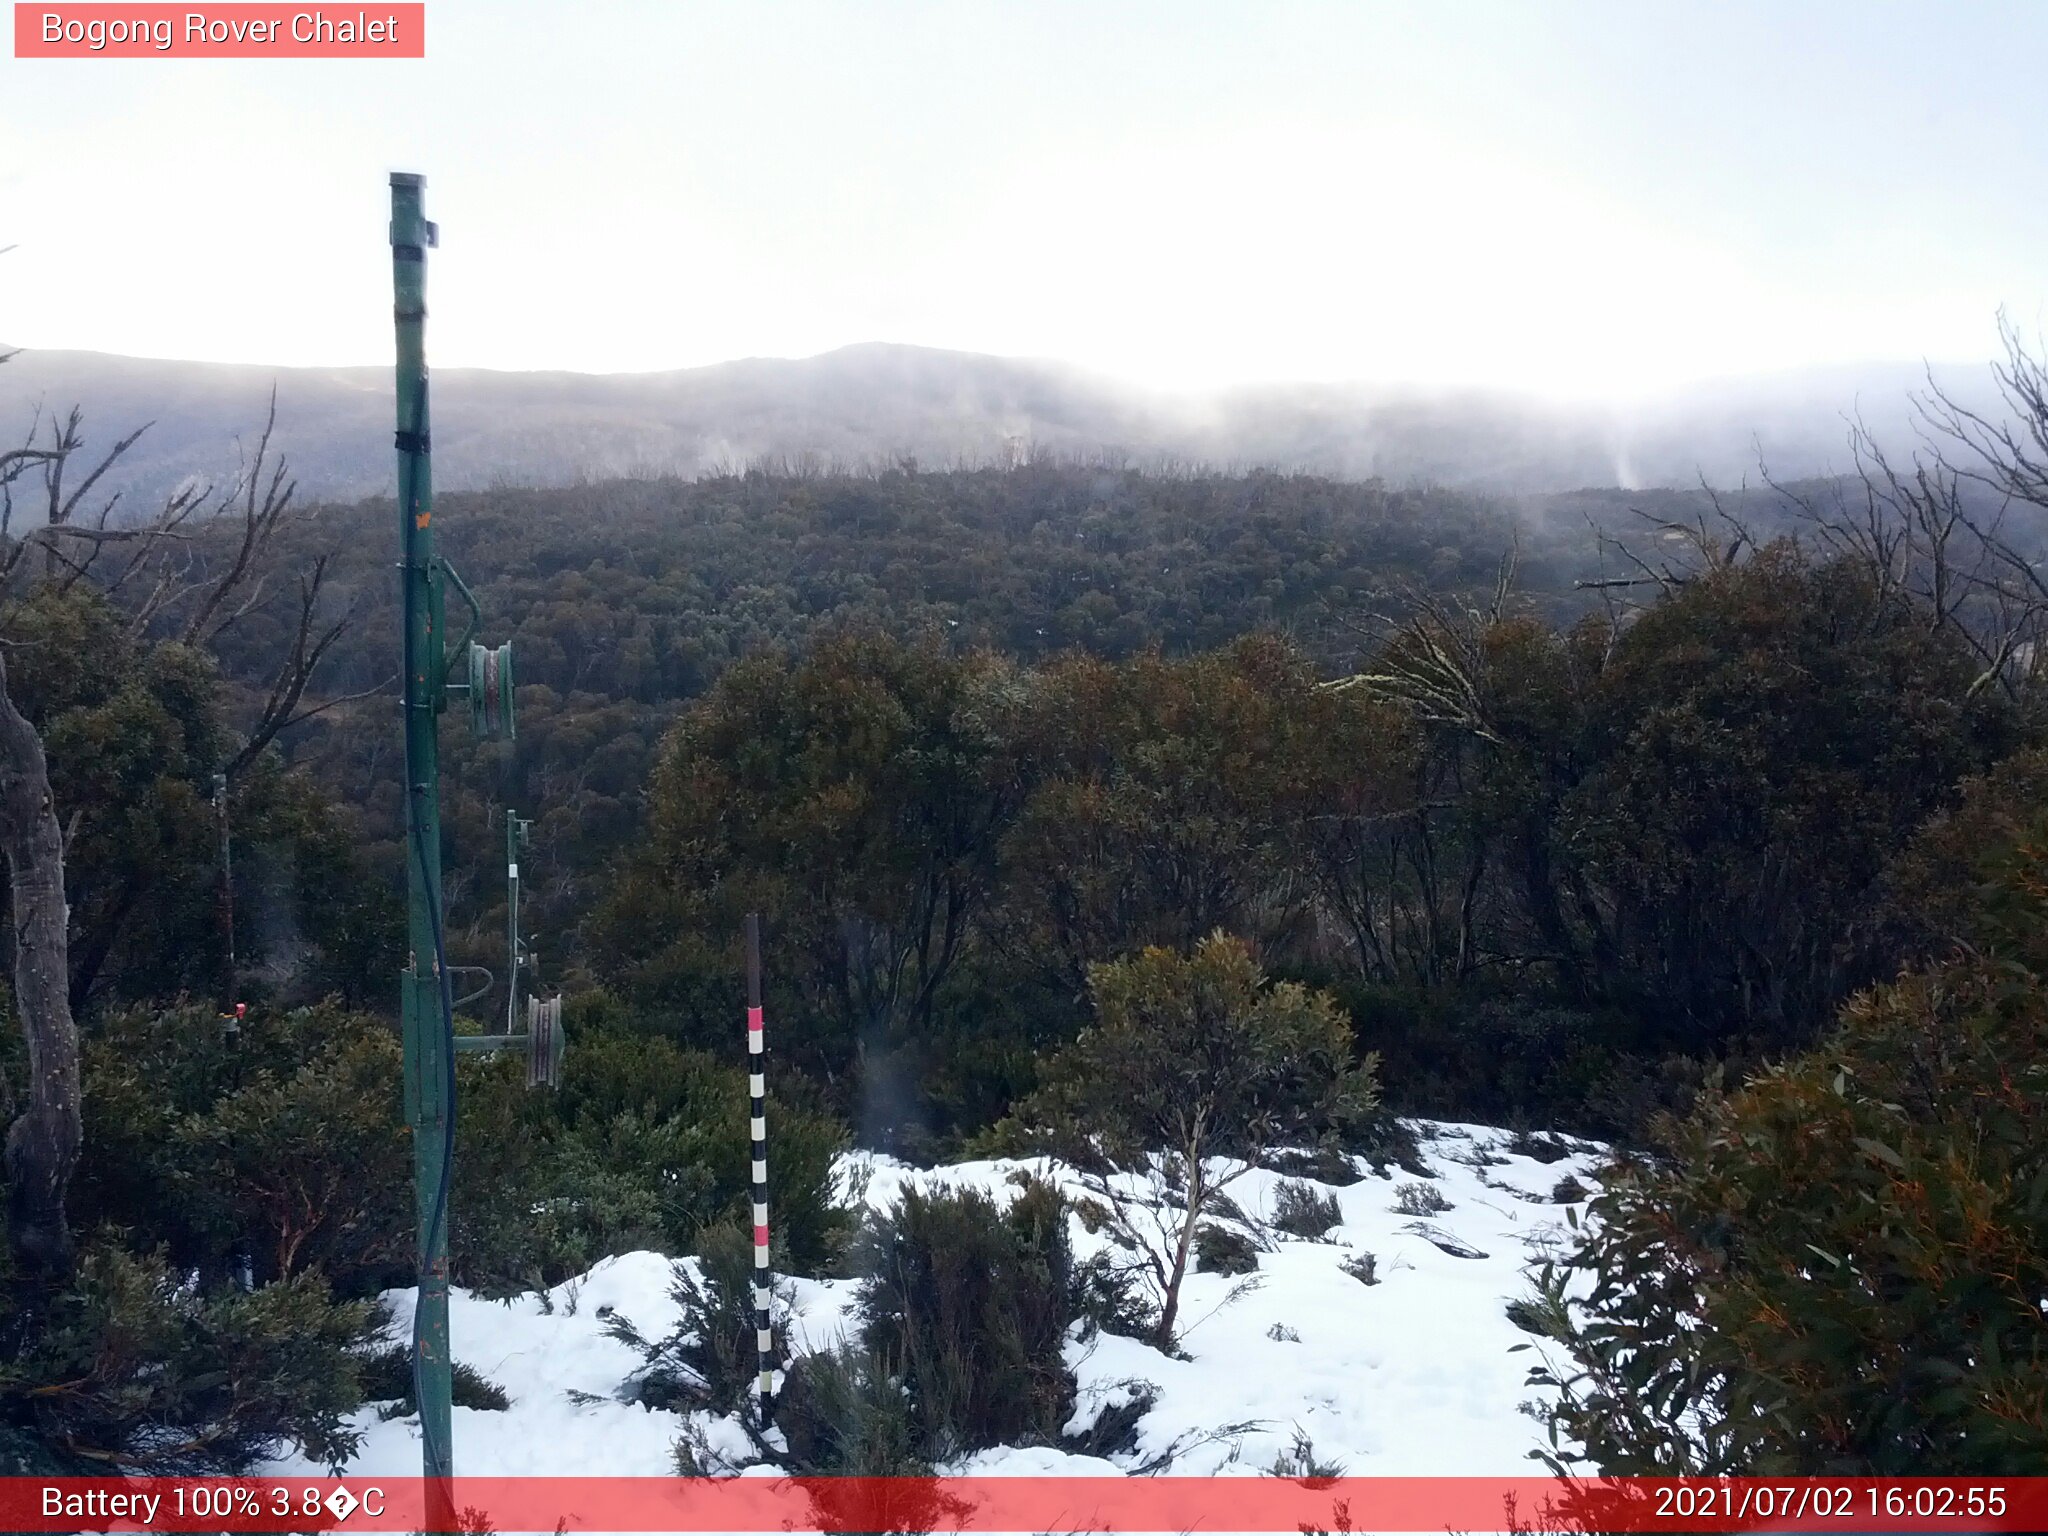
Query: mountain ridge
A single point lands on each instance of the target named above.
(876, 403)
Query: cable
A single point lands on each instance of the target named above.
(438, 1213)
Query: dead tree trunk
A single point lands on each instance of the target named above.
(43, 1143)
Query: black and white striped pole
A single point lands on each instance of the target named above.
(757, 1090)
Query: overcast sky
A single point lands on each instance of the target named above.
(1582, 198)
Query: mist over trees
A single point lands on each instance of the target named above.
(1661, 821)
(869, 406)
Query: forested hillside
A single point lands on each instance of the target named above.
(1054, 785)
(625, 599)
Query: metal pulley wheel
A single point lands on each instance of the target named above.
(544, 1041)
(490, 691)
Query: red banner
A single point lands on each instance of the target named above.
(1027, 1504)
(259, 31)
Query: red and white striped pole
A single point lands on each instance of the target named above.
(757, 1090)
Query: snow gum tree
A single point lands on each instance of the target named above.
(1194, 1071)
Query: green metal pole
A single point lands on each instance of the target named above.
(429, 1054)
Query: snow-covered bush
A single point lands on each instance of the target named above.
(1302, 1210)
(1568, 1191)
(1221, 1251)
(711, 1357)
(1420, 1199)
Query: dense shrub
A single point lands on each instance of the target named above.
(289, 1146)
(1540, 1147)
(1838, 1269)
(971, 1304)
(387, 1378)
(1465, 1055)
(643, 1146)
(131, 1367)
(1324, 1164)
(1196, 1069)
(849, 1423)
(1220, 1250)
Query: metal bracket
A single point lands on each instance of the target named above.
(476, 611)
(473, 970)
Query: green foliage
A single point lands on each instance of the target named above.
(1200, 1055)
(1220, 1250)
(1838, 1269)
(387, 1379)
(134, 731)
(970, 1304)
(853, 794)
(643, 1145)
(1196, 1068)
(1302, 1210)
(1759, 746)
(1324, 1164)
(631, 598)
(1943, 888)
(711, 1358)
(1161, 795)
(844, 1414)
(132, 1367)
(290, 1143)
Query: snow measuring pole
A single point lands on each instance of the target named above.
(757, 1095)
(427, 1001)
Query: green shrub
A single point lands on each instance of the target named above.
(1539, 1145)
(1114, 1429)
(291, 1144)
(847, 1413)
(1221, 1250)
(1302, 1210)
(971, 1304)
(387, 1379)
(644, 1146)
(1326, 1165)
(711, 1358)
(1201, 1056)
(1838, 1269)
(844, 1415)
(135, 1369)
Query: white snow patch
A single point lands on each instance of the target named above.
(1411, 1376)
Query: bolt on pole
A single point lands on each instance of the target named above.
(425, 998)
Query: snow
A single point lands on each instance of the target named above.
(1412, 1376)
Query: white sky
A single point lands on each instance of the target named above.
(1570, 198)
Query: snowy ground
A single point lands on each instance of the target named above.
(1411, 1376)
